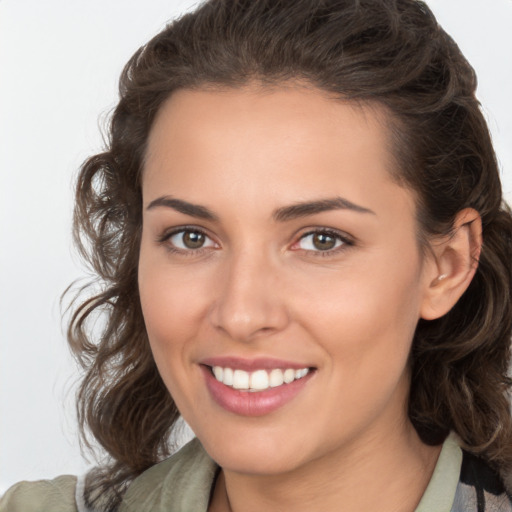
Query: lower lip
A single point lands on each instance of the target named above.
(252, 403)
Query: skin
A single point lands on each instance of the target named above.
(259, 287)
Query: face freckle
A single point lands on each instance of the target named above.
(275, 239)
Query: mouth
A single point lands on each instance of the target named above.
(257, 387)
(258, 380)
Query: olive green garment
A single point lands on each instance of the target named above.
(183, 483)
(56, 495)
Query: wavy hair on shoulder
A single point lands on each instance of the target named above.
(390, 53)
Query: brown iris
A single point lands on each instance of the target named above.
(193, 239)
(323, 241)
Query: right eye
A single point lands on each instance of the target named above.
(188, 240)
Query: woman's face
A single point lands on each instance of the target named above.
(278, 253)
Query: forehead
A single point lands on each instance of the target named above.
(285, 142)
(290, 107)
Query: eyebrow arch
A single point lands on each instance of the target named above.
(283, 214)
(305, 209)
(194, 210)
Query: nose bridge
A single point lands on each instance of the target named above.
(248, 303)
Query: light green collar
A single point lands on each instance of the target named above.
(442, 487)
(183, 482)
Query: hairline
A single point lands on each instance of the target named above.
(389, 121)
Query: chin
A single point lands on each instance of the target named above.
(257, 462)
(256, 451)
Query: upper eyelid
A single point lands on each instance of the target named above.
(167, 233)
(343, 235)
(304, 232)
(347, 242)
(164, 240)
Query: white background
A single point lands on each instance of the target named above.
(59, 65)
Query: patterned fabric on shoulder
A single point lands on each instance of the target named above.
(480, 489)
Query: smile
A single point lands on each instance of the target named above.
(259, 380)
(254, 388)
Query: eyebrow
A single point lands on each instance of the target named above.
(194, 210)
(305, 209)
(283, 214)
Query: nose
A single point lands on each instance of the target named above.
(250, 301)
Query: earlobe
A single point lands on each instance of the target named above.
(453, 265)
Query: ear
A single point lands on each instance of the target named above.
(452, 264)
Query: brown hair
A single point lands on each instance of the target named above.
(389, 52)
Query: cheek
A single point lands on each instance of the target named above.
(366, 317)
(366, 329)
(165, 310)
(170, 314)
(172, 304)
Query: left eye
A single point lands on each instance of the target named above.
(320, 241)
(187, 239)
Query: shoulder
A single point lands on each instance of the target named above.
(180, 483)
(57, 495)
(480, 487)
(462, 482)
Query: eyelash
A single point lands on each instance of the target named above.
(164, 240)
(346, 242)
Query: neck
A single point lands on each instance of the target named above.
(385, 473)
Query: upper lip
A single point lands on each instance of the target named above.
(259, 363)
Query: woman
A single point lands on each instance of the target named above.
(299, 228)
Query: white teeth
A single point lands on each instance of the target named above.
(227, 378)
(218, 371)
(240, 379)
(301, 373)
(276, 378)
(258, 380)
(289, 375)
